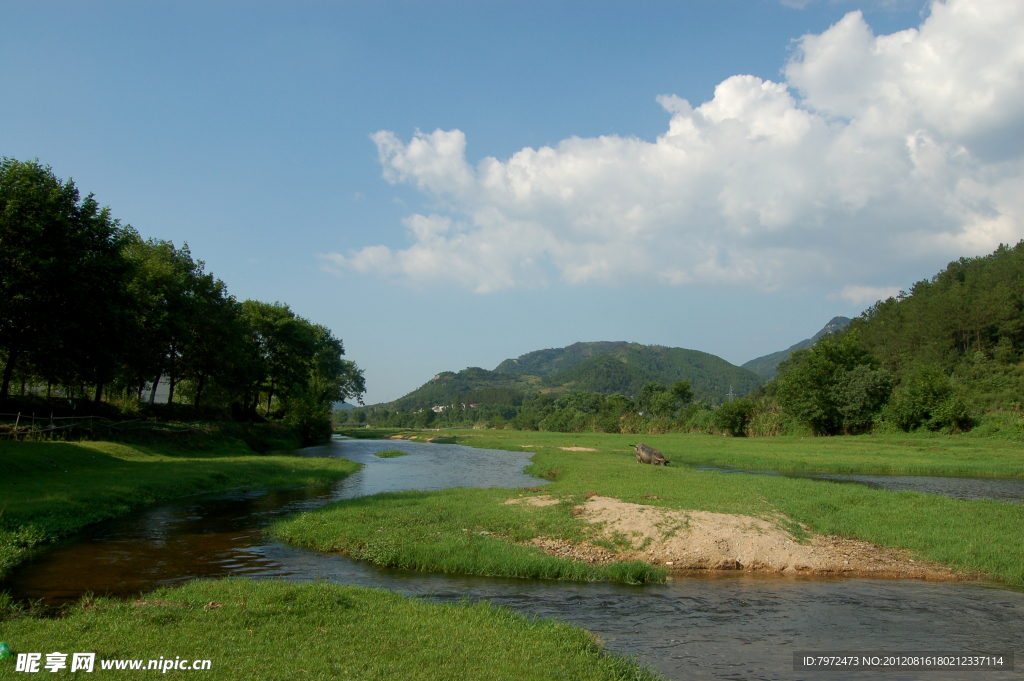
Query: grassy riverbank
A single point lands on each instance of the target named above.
(915, 453)
(260, 630)
(973, 536)
(53, 489)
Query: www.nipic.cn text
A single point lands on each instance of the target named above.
(86, 662)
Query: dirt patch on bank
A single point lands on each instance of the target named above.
(578, 449)
(542, 500)
(700, 540)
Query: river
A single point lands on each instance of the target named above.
(715, 627)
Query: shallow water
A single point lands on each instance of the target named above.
(1009, 490)
(720, 627)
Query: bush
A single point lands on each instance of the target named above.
(952, 415)
(765, 421)
(833, 386)
(926, 399)
(698, 418)
(310, 419)
(1002, 424)
(731, 418)
(567, 421)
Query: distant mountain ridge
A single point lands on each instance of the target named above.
(604, 367)
(553, 360)
(768, 366)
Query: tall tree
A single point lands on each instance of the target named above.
(214, 345)
(168, 288)
(284, 344)
(61, 275)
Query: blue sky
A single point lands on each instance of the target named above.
(381, 167)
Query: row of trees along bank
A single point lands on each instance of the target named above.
(87, 302)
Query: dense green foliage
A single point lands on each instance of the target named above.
(626, 367)
(767, 367)
(53, 489)
(60, 272)
(88, 302)
(943, 357)
(975, 305)
(279, 630)
(554, 360)
(834, 387)
(657, 409)
(469, 386)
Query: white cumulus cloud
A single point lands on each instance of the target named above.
(872, 153)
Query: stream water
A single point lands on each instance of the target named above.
(716, 627)
(1009, 490)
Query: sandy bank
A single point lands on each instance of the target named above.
(700, 540)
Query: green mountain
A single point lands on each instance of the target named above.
(766, 367)
(605, 367)
(626, 369)
(553, 360)
(467, 386)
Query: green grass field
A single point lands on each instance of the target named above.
(917, 453)
(422, 530)
(277, 630)
(53, 489)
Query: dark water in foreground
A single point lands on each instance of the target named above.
(724, 627)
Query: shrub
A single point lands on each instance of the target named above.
(310, 419)
(765, 421)
(926, 399)
(731, 418)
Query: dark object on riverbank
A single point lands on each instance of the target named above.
(648, 454)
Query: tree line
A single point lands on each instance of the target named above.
(656, 407)
(89, 306)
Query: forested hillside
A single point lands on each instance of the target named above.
(472, 385)
(606, 368)
(627, 368)
(945, 356)
(971, 311)
(767, 366)
(966, 322)
(554, 360)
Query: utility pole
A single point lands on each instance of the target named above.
(731, 394)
